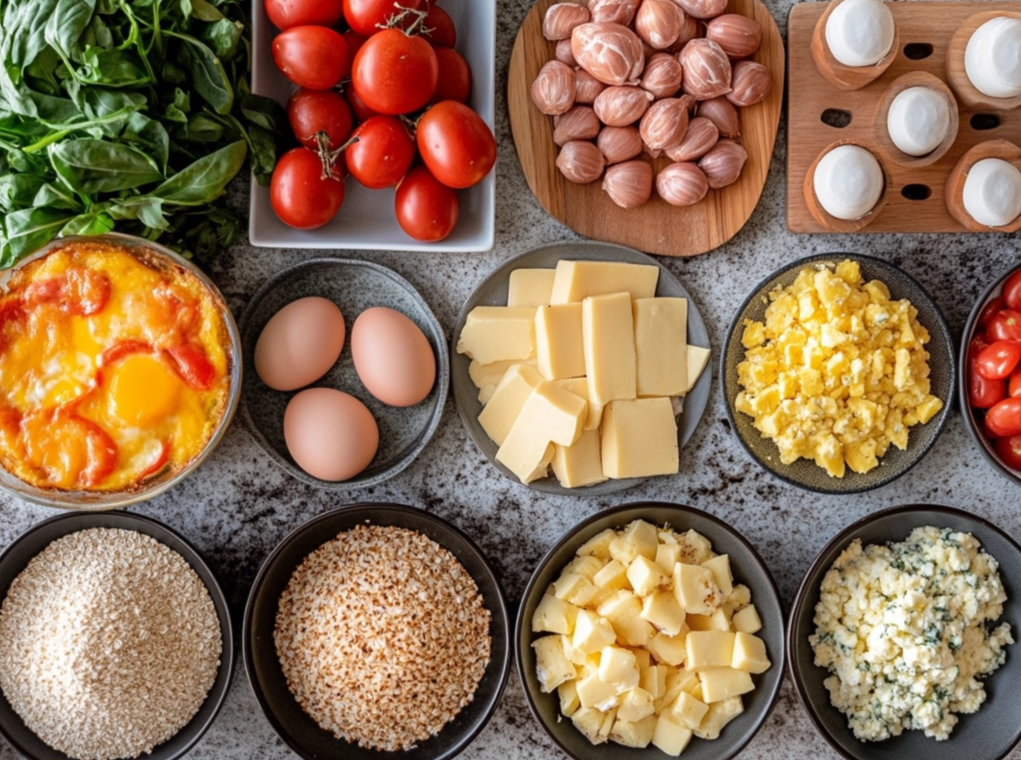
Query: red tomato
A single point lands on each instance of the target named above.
(312, 112)
(1004, 419)
(382, 153)
(287, 13)
(456, 144)
(158, 462)
(998, 360)
(312, 56)
(394, 73)
(1012, 291)
(1005, 325)
(300, 195)
(439, 28)
(69, 449)
(1014, 384)
(191, 363)
(455, 82)
(124, 348)
(989, 311)
(78, 292)
(1009, 450)
(366, 17)
(426, 208)
(361, 111)
(354, 41)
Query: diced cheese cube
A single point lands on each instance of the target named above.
(530, 287)
(643, 537)
(487, 376)
(740, 597)
(579, 387)
(668, 555)
(569, 702)
(498, 333)
(619, 668)
(750, 654)
(722, 683)
(554, 615)
(586, 565)
(635, 705)
(596, 693)
(661, 346)
(746, 620)
(613, 576)
(574, 656)
(636, 734)
(589, 721)
(645, 576)
(508, 400)
(609, 718)
(654, 680)
(622, 551)
(696, 590)
(581, 463)
(719, 715)
(558, 341)
(669, 649)
(642, 658)
(670, 736)
(552, 667)
(662, 610)
(592, 633)
(680, 680)
(709, 649)
(721, 572)
(609, 345)
(698, 358)
(623, 610)
(688, 710)
(640, 438)
(575, 589)
(718, 621)
(598, 545)
(575, 281)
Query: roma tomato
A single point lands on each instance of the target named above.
(426, 209)
(300, 195)
(287, 13)
(1012, 291)
(312, 56)
(193, 366)
(998, 360)
(989, 311)
(382, 153)
(394, 73)
(456, 144)
(1009, 450)
(455, 82)
(439, 28)
(366, 17)
(312, 112)
(1004, 419)
(983, 393)
(1005, 325)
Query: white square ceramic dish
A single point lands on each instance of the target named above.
(366, 220)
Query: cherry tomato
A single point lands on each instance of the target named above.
(382, 154)
(998, 360)
(312, 112)
(1004, 419)
(354, 41)
(1014, 384)
(366, 17)
(978, 343)
(426, 208)
(455, 82)
(287, 13)
(1009, 450)
(361, 111)
(1005, 325)
(394, 73)
(300, 195)
(193, 366)
(982, 393)
(439, 28)
(456, 144)
(1012, 291)
(312, 56)
(989, 311)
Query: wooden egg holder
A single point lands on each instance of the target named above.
(821, 115)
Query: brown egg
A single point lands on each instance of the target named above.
(331, 435)
(392, 356)
(299, 344)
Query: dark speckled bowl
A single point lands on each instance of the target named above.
(288, 719)
(805, 473)
(989, 734)
(748, 568)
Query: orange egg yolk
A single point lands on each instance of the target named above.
(143, 391)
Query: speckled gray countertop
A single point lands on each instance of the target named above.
(239, 505)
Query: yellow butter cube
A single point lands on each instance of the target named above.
(688, 710)
(720, 567)
(668, 649)
(639, 439)
(575, 589)
(623, 610)
(595, 693)
(508, 400)
(661, 346)
(668, 555)
(569, 702)
(579, 387)
(719, 715)
(636, 705)
(598, 545)
(654, 680)
(637, 734)
(486, 377)
(696, 590)
(589, 721)
(609, 346)
(585, 564)
(643, 537)
(613, 576)
(581, 463)
(698, 358)
(619, 668)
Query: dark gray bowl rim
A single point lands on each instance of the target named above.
(632, 507)
(371, 510)
(804, 588)
(442, 372)
(972, 425)
(130, 521)
(941, 325)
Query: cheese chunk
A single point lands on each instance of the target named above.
(698, 357)
(549, 415)
(589, 722)
(554, 615)
(667, 648)
(720, 567)
(619, 668)
(696, 590)
(719, 715)
(680, 680)
(623, 610)
(654, 680)
(670, 736)
(530, 287)
(612, 576)
(636, 705)
(579, 387)
(661, 346)
(640, 439)
(486, 377)
(722, 683)
(498, 333)
(596, 693)
(508, 399)
(592, 633)
(558, 341)
(688, 710)
(642, 537)
(662, 610)
(718, 621)
(579, 464)
(750, 654)
(575, 589)
(747, 620)
(609, 344)
(598, 546)
(709, 649)
(569, 702)
(645, 576)
(636, 734)
(551, 665)
(575, 281)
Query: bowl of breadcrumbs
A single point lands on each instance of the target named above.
(375, 629)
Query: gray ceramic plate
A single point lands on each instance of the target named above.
(354, 286)
(493, 292)
(990, 733)
(16, 557)
(748, 568)
(805, 473)
(293, 724)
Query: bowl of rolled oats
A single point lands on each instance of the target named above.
(377, 628)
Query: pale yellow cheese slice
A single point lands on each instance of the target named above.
(639, 438)
(607, 328)
(661, 346)
(530, 287)
(558, 341)
(577, 280)
(498, 333)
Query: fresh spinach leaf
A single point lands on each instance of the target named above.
(208, 76)
(90, 166)
(205, 179)
(89, 223)
(28, 229)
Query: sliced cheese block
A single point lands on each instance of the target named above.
(609, 343)
(558, 341)
(579, 464)
(661, 346)
(575, 281)
(698, 357)
(508, 400)
(498, 333)
(549, 415)
(640, 438)
(579, 387)
(530, 287)
(486, 377)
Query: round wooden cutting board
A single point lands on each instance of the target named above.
(655, 227)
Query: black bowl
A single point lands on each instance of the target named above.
(805, 473)
(300, 732)
(16, 557)
(748, 568)
(989, 734)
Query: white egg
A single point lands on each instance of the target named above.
(919, 120)
(992, 59)
(992, 192)
(848, 182)
(860, 32)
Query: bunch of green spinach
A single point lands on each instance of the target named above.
(127, 114)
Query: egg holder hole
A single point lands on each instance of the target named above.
(916, 192)
(836, 118)
(837, 74)
(918, 51)
(983, 122)
(822, 216)
(954, 191)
